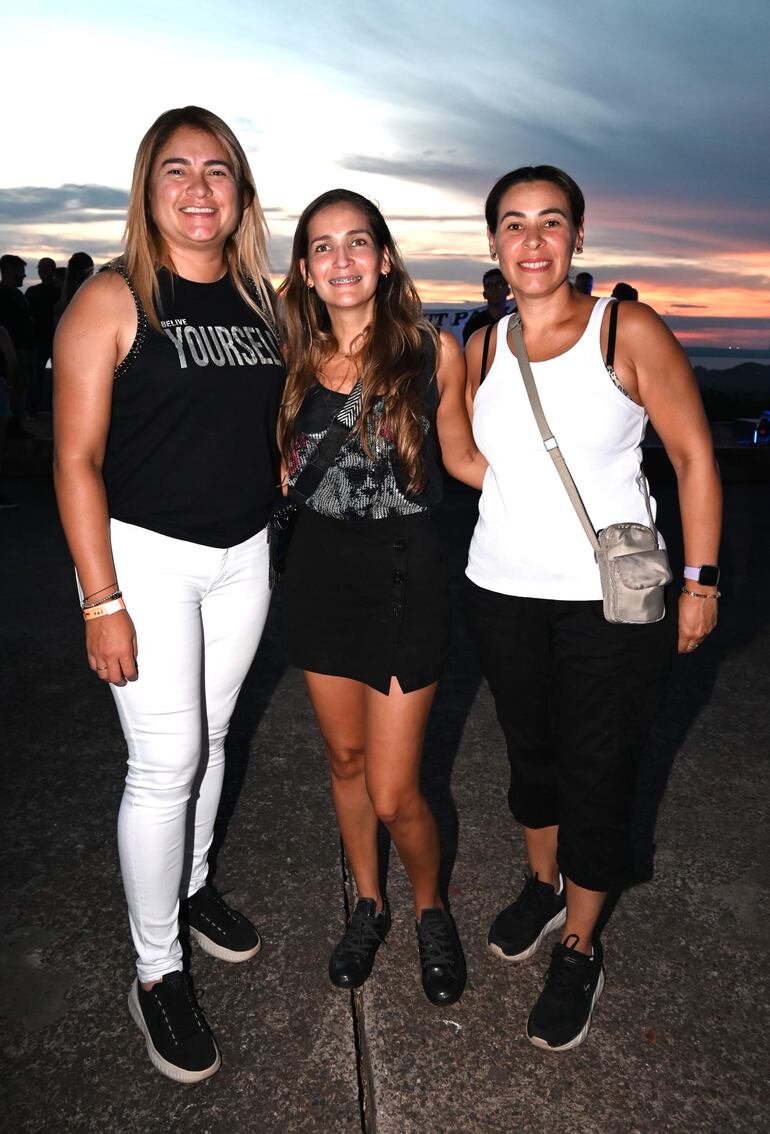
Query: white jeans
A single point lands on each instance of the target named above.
(199, 614)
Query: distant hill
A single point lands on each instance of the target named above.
(741, 391)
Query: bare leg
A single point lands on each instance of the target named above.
(583, 906)
(340, 707)
(395, 727)
(541, 852)
(583, 909)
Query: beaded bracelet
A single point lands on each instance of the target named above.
(700, 594)
(107, 598)
(103, 608)
(87, 597)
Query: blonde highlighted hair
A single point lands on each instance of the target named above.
(390, 353)
(245, 251)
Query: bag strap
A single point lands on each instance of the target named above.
(485, 352)
(330, 444)
(550, 442)
(552, 445)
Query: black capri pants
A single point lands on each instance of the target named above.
(575, 696)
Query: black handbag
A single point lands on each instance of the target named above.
(283, 520)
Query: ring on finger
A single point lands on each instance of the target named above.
(101, 668)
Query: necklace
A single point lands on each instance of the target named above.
(343, 384)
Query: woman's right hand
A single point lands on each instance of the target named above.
(111, 648)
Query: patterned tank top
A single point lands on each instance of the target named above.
(358, 486)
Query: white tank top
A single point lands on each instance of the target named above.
(528, 540)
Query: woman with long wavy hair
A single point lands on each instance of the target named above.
(366, 612)
(168, 382)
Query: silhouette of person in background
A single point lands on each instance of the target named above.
(41, 299)
(584, 283)
(79, 268)
(624, 291)
(15, 317)
(8, 365)
(496, 292)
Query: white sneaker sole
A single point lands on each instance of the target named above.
(555, 923)
(170, 1070)
(219, 951)
(578, 1039)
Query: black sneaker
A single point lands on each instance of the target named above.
(179, 1041)
(517, 931)
(562, 1015)
(219, 930)
(353, 956)
(442, 963)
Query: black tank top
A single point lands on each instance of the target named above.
(191, 451)
(357, 486)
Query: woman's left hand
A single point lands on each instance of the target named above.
(697, 618)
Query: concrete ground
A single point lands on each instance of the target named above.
(679, 1038)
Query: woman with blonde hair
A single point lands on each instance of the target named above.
(365, 610)
(168, 383)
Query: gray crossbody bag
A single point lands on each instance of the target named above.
(633, 569)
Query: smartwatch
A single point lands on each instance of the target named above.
(707, 574)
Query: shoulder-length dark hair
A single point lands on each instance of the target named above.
(551, 173)
(389, 354)
(245, 249)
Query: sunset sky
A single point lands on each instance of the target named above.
(659, 109)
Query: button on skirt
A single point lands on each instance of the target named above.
(366, 599)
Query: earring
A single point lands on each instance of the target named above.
(578, 249)
(309, 284)
(493, 255)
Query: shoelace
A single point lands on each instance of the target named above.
(211, 897)
(178, 1007)
(566, 970)
(359, 936)
(530, 898)
(435, 942)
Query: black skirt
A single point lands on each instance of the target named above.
(366, 599)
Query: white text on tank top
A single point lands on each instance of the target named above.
(528, 540)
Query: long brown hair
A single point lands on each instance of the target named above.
(390, 356)
(245, 250)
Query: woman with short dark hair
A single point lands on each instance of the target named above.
(574, 693)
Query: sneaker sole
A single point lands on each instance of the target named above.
(555, 923)
(220, 952)
(170, 1070)
(578, 1039)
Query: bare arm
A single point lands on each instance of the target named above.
(458, 450)
(94, 334)
(655, 370)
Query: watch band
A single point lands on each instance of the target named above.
(707, 574)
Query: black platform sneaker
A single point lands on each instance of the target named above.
(179, 1041)
(219, 929)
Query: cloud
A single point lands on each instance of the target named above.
(67, 204)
